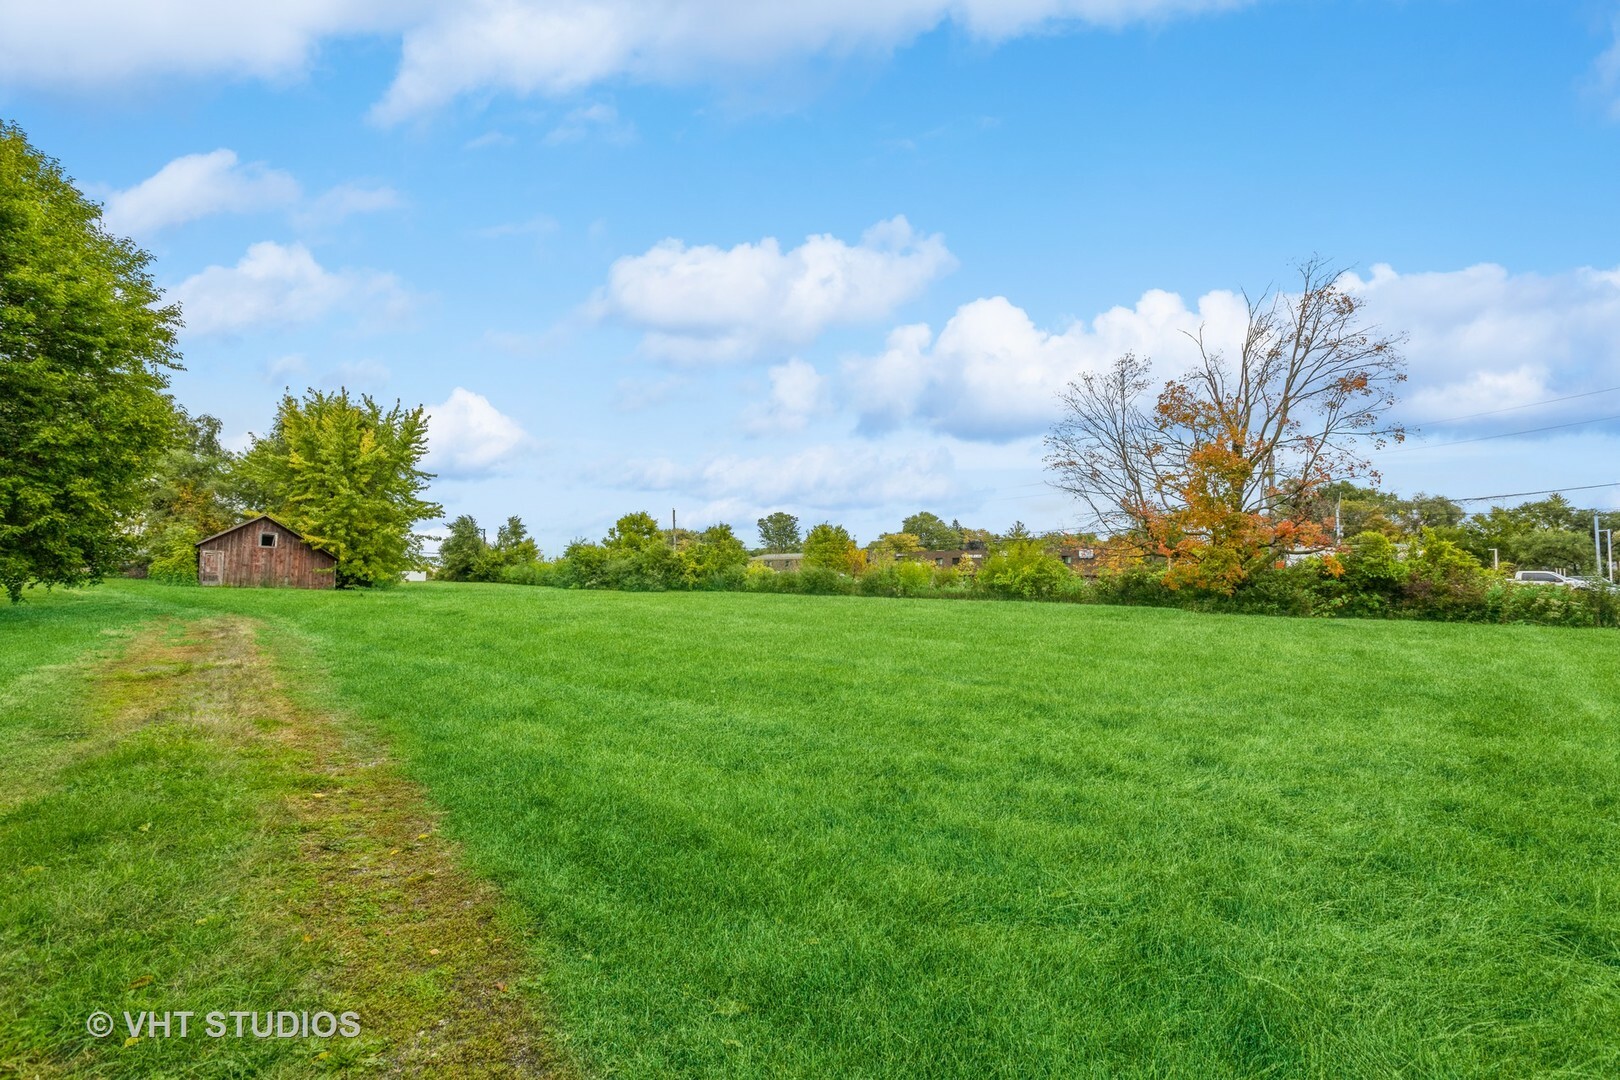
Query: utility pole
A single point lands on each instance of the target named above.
(1496, 562)
(1597, 543)
(672, 528)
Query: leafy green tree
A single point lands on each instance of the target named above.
(830, 547)
(188, 497)
(1359, 509)
(1553, 512)
(639, 556)
(1374, 575)
(513, 544)
(932, 532)
(461, 555)
(1551, 548)
(977, 536)
(914, 578)
(173, 555)
(716, 559)
(1443, 580)
(344, 473)
(1428, 512)
(585, 565)
(1024, 570)
(1019, 531)
(465, 556)
(1547, 533)
(896, 544)
(86, 345)
(779, 532)
(635, 532)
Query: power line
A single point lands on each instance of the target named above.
(1516, 408)
(1548, 491)
(1499, 435)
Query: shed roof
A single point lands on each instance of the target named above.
(250, 521)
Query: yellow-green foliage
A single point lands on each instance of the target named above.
(830, 547)
(174, 558)
(344, 473)
(1025, 570)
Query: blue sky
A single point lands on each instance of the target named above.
(837, 259)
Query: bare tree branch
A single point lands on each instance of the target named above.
(1299, 403)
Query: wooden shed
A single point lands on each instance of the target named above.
(265, 553)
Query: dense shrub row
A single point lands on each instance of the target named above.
(1433, 578)
(1436, 579)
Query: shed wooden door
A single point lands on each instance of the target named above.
(210, 566)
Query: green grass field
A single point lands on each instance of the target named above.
(797, 836)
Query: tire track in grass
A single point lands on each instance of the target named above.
(329, 867)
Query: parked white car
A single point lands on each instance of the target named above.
(1548, 577)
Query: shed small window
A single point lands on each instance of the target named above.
(267, 539)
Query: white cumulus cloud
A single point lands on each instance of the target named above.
(467, 435)
(798, 392)
(1479, 339)
(992, 373)
(535, 46)
(197, 186)
(96, 43)
(709, 303)
(1486, 338)
(515, 46)
(275, 284)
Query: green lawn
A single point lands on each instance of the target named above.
(799, 836)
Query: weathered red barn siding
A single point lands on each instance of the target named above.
(237, 557)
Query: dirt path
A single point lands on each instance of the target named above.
(366, 884)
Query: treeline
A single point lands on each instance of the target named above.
(1401, 568)
(1372, 576)
(635, 555)
(1546, 534)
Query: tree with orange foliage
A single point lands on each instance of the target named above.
(1218, 474)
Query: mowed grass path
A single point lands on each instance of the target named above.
(795, 836)
(176, 835)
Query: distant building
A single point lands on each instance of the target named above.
(1077, 558)
(780, 561)
(413, 575)
(974, 552)
(262, 552)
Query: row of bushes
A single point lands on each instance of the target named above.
(1432, 578)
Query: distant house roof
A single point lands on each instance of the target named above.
(253, 520)
(945, 556)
